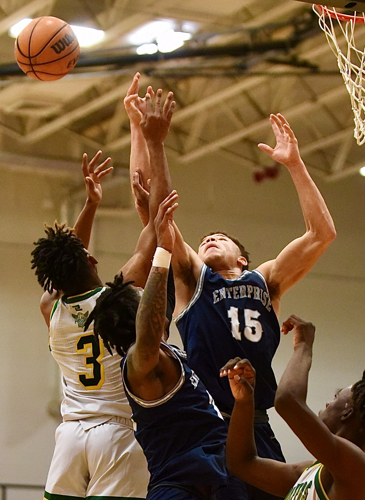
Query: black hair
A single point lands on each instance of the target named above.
(60, 260)
(358, 397)
(114, 316)
(242, 249)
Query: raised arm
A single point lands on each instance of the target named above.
(344, 460)
(144, 356)
(186, 265)
(297, 258)
(269, 475)
(139, 163)
(155, 125)
(93, 175)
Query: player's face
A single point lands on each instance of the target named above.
(218, 249)
(331, 414)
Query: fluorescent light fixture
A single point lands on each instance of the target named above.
(362, 171)
(86, 36)
(172, 40)
(18, 27)
(148, 32)
(147, 48)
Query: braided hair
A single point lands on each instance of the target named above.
(358, 398)
(60, 260)
(114, 316)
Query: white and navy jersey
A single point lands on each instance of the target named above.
(226, 319)
(182, 434)
(91, 378)
(309, 486)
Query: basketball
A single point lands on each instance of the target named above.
(47, 49)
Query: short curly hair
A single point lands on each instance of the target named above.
(114, 316)
(60, 259)
(358, 398)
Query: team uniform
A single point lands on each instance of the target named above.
(309, 485)
(183, 436)
(96, 454)
(226, 319)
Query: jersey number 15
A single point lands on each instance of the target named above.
(252, 328)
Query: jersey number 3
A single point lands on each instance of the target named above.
(94, 352)
(252, 329)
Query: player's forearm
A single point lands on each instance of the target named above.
(316, 215)
(151, 314)
(161, 185)
(139, 156)
(84, 222)
(241, 449)
(293, 386)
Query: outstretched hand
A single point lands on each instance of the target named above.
(286, 150)
(242, 376)
(165, 232)
(93, 176)
(156, 120)
(135, 106)
(303, 331)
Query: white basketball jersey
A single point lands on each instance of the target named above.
(308, 486)
(91, 377)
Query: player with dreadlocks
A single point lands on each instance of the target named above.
(336, 437)
(177, 424)
(96, 454)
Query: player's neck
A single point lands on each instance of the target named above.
(230, 274)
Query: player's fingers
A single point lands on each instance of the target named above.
(289, 131)
(149, 104)
(94, 160)
(150, 91)
(266, 149)
(158, 101)
(105, 172)
(168, 102)
(102, 165)
(84, 165)
(129, 99)
(228, 366)
(133, 89)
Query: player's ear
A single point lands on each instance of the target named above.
(347, 413)
(242, 261)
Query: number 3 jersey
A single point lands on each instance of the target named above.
(226, 319)
(92, 384)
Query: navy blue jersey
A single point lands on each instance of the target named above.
(182, 434)
(226, 319)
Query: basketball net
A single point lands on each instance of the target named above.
(351, 62)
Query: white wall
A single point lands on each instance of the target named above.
(213, 196)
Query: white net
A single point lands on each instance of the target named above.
(340, 28)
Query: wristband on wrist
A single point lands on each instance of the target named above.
(162, 258)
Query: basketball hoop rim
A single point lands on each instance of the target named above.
(360, 19)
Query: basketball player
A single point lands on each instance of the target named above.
(223, 310)
(179, 428)
(336, 437)
(96, 454)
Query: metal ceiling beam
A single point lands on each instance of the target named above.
(255, 127)
(26, 11)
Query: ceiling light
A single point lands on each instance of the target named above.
(147, 48)
(172, 40)
(148, 32)
(362, 171)
(86, 36)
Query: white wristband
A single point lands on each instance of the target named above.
(162, 258)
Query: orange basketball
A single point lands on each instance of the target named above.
(47, 49)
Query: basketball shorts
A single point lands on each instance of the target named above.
(104, 461)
